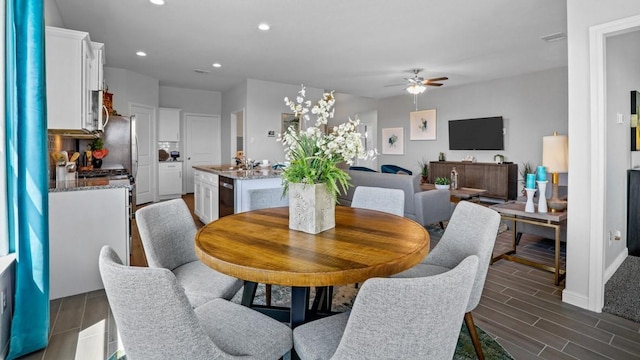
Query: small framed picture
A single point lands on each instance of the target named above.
(290, 120)
(422, 125)
(393, 141)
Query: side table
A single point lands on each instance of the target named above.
(514, 211)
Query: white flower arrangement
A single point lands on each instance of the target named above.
(313, 154)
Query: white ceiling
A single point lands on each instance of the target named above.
(354, 46)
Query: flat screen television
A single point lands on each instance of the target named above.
(476, 134)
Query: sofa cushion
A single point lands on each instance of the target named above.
(410, 184)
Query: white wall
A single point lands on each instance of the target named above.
(623, 75)
(51, 14)
(265, 104)
(233, 100)
(581, 15)
(532, 105)
(349, 106)
(131, 87)
(191, 101)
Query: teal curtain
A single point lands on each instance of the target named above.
(27, 179)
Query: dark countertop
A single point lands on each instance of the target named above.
(240, 174)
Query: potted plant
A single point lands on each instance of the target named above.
(526, 168)
(424, 171)
(313, 178)
(442, 183)
(97, 152)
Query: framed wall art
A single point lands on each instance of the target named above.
(393, 141)
(290, 120)
(422, 125)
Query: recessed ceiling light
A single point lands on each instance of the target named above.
(157, 2)
(141, 53)
(217, 65)
(264, 27)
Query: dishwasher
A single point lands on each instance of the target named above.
(226, 196)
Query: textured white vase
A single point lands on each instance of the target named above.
(529, 207)
(542, 199)
(312, 209)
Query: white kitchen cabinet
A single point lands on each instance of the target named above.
(69, 61)
(170, 179)
(169, 124)
(80, 224)
(97, 66)
(205, 196)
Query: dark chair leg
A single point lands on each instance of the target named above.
(267, 294)
(442, 225)
(468, 319)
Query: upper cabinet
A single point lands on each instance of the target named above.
(169, 124)
(97, 65)
(74, 70)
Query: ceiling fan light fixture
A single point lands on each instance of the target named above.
(415, 89)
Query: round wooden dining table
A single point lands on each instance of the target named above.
(258, 247)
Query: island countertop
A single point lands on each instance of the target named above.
(236, 173)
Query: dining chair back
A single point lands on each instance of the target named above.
(415, 318)
(167, 232)
(380, 199)
(472, 230)
(156, 321)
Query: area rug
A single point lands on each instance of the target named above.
(621, 292)
(343, 297)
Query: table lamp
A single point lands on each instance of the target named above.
(555, 151)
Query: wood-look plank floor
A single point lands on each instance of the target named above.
(520, 307)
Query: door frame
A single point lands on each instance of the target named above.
(153, 186)
(598, 140)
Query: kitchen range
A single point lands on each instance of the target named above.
(92, 209)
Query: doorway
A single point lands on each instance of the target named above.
(237, 132)
(144, 131)
(202, 144)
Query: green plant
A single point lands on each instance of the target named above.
(526, 168)
(424, 167)
(442, 181)
(314, 155)
(96, 144)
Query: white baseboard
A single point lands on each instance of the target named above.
(611, 269)
(576, 299)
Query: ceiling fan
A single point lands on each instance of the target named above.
(417, 84)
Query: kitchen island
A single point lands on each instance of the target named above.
(220, 190)
(85, 215)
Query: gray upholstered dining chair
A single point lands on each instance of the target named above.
(156, 321)
(167, 232)
(416, 318)
(380, 199)
(472, 230)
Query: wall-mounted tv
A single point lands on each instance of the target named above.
(476, 134)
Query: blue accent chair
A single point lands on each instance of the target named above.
(361, 168)
(394, 169)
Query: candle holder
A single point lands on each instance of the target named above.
(529, 207)
(542, 199)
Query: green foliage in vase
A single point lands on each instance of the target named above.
(526, 168)
(442, 181)
(314, 155)
(424, 167)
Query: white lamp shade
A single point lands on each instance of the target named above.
(555, 153)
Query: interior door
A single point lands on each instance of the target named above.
(202, 144)
(145, 119)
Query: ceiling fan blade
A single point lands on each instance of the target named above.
(432, 84)
(439, 79)
(395, 85)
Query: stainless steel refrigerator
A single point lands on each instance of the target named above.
(119, 137)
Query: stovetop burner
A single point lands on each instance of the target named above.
(108, 173)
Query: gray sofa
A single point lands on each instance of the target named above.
(425, 207)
